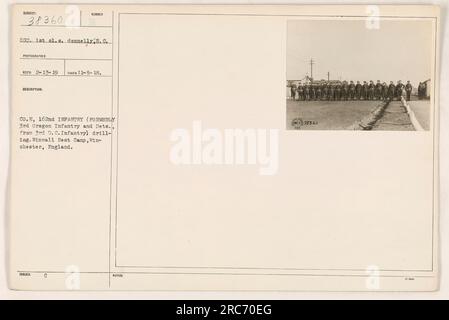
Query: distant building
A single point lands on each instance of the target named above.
(308, 80)
(428, 88)
(333, 82)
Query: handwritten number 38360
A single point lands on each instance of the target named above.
(45, 20)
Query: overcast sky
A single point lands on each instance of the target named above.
(398, 50)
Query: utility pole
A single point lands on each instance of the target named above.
(311, 67)
(328, 76)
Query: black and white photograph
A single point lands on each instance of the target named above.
(208, 151)
(359, 74)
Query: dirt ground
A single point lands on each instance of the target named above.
(395, 118)
(421, 108)
(327, 115)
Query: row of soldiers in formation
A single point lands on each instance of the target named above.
(350, 91)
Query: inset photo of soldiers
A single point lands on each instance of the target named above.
(351, 73)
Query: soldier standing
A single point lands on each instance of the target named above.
(312, 92)
(408, 90)
(378, 90)
(351, 90)
(358, 90)
(326, 92)
(371, 90)
(365, 90)
(399, 88)
(318, 92)
(306, 92)
(300, 91)
(331, 92)
(384, 91)
(292, 91)
(337, 92)
(344, 91)
(391, 90)
(423, 90)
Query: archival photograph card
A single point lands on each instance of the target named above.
(224, 147)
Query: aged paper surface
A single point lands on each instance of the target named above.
(224, 148)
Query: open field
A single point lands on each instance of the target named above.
(328, 115)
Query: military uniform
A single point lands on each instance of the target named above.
(292, 92)
(391, 90)
(326, 92)
(378, 90)
(399, 88)
(312, 92)
(420, 91)
(300, 92)
(384, 91)
(408, 90)
(306, 93)
(344, 91)
(351, 89)
(337, 92)
(331, 92)
(358, 91)
(371, 89)
(318, 92)
(365, 90)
